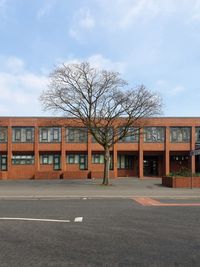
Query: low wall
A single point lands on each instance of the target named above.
(47, 175)
(3, 175)
(75, 175)
(181, 182)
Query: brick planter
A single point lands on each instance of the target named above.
(181, 182)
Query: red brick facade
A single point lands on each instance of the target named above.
(138, 159)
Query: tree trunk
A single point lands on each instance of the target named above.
(106, 167)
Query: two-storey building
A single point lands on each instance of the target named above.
(54, 148)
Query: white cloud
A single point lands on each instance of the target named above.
(19, 91)
(126, 13)
(14, 64)
(82, 21)
(171, 90)
(101, 62)
(46, 9)
(98, 61)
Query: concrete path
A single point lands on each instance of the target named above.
(119, 188)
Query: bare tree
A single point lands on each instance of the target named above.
(100, 100)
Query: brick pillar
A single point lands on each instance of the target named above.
(167, 154)
(63, 152)
(89, 151)
(36, 149)
(141, 155)
(9, 149)
(192, 147)
(115, 160)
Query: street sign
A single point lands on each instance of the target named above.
(195, 152)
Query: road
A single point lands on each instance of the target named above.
(112, 232)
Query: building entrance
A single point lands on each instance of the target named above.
(150, 164)
(197, 163)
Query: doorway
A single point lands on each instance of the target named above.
(150, 165)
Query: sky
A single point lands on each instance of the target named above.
(151, 42)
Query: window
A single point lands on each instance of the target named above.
(103, 134)
(3, 134)
(132, 135)
(22, 159)
(76, 135)
(23, 134)
(180, 134)
(50, 134)
(72, 159)
(46, 159)
(154, 134)
(17, 135)
(98, 158)
(125, 161)
(44, 134)
(197, 133)
(56, 162)
(80, 159)
(55, 134)
(29, 134)
(3, 162)
(179, 158)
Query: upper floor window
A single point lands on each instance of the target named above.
(180, 134)
(197, 134)
(3, 134)
(23, 134)
(50, 134)
(154, 134)
(76, 135)
(103, 134)
(131, 136)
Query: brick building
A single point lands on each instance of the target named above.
(37, 148)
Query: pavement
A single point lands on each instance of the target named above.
(118, 188)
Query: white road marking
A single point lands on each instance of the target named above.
(78, 219)
(33, 219)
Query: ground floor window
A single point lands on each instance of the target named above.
(3, 162)
(80, 159)
(46, 159)
(50, 159)
(22, 159)
(125, 161)
(98, 158)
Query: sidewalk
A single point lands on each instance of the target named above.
(119, 188)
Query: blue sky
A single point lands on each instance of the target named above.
(151, 42)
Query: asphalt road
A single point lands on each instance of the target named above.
(113, 232)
